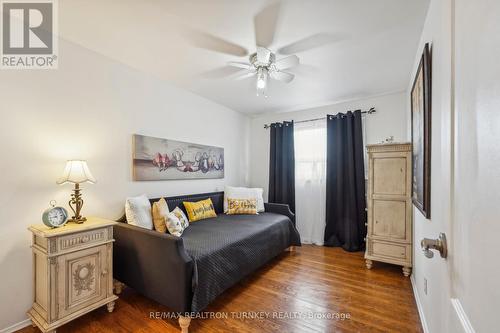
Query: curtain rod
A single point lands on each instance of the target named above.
(372, 110)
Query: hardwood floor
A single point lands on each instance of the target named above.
(311, 280)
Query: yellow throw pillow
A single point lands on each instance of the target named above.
(159, 212)
(241, 206)
(200, 210)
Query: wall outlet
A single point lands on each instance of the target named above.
(425, 286)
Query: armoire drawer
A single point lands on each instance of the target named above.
(389, 250)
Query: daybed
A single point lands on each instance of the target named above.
(186, 273)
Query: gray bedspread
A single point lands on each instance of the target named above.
(229, 247)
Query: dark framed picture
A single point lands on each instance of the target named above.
(421, 134)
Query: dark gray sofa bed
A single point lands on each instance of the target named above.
(186, 273)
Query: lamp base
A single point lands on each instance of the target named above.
(76, 204)
(78, 220)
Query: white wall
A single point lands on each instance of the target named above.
(390, 119)
(89, 108)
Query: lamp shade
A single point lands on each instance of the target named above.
(76, 171)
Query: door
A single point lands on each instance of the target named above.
(476, 190)
(82, 277)
(460, 293)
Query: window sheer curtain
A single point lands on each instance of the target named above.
(310, 180)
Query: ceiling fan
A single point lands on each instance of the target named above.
(263, 63)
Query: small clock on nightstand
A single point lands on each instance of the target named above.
(73, 271)
(55, 217)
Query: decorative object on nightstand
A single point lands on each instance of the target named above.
(76, 172)
(389, 139)
(73, 271)
(389, 237)
(55, 217)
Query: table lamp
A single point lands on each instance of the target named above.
(76, 172)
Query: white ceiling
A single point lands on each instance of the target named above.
(373, 48)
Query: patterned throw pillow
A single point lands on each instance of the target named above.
(241, 206)
(173, 224)
(200, 210)
(182, 217)
(160, 211)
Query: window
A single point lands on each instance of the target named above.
(310, 180)
(310, 151)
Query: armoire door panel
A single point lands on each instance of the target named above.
(390, 175)
(389, 218)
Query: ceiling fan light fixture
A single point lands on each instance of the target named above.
(261, 83)
(262, 75)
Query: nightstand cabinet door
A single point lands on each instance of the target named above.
(83, 275)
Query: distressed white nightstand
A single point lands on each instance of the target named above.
(72, 271)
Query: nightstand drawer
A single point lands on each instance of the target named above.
(83, 239)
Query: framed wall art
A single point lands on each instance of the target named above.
(421, 134)
(164, 159)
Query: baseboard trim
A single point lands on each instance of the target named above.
(419, 304)
(16, 327)
(462, 316)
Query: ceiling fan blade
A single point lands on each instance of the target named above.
(221, 72)
(308, 70)
(263, 55)
(282, 76)
(287, 62)
(245, 76)
(265, 23)
(238, 64)
(309, 43)
(213, 43)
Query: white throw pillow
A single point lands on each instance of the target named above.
(138, 212)
(244, 193)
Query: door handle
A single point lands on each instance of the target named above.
(435, 244)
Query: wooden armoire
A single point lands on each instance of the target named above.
(389, 235)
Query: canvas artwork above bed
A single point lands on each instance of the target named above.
(164, 159)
